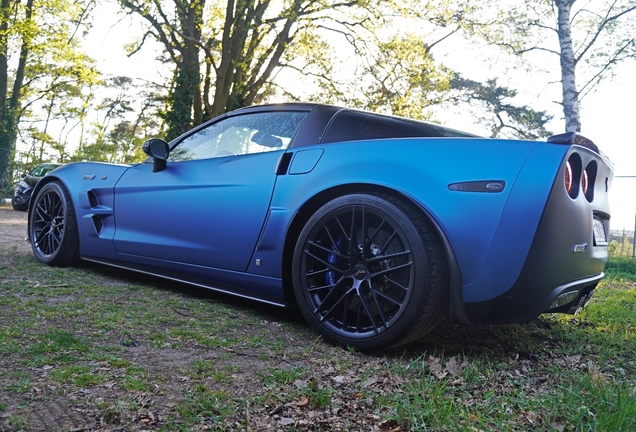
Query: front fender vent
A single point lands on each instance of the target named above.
(99, 224)
(92, 199)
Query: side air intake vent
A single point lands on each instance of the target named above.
(99, 224)
(491, 186)
(92, 199)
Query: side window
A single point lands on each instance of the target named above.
(240, 135)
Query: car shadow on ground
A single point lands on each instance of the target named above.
(523, 340)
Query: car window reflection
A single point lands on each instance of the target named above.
(240, 135)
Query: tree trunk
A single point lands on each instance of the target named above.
(568, 67)
(10, 104)
(233, 34)
(6, 146)
(185, 99)
(192, 23)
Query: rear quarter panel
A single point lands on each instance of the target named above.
(477, 225)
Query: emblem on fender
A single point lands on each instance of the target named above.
(579, 247)
(495, 186)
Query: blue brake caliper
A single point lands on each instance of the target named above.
(332, 258)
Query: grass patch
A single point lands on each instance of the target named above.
(621, 267)
(138, 353)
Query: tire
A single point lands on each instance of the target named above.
(385, 288)
(53, 228)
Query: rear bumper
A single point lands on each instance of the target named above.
(565, 261)
(516, 307)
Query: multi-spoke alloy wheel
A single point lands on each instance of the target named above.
(53, 227)
(367, 274)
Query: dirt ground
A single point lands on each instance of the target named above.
(13, 226)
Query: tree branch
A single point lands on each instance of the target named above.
(596, 79)
(600, 29)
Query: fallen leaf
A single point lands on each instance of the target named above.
(338, 379)
(596, 376)
(369, 382)
(453, 367)
(284, 421)
(435, 367)
(303, 401)
(558, 426)
(390, 425)
(573, 360)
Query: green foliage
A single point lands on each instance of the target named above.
(41, 64)
(401, 79)
(121, 123)
(621, 267)
(179, 114)
(243, 46)
(505, 118)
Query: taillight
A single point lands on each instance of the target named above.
(573, 175)
(577, 179)
(588, 180)
(584, 182)
(568, 177)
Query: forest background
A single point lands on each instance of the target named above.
(92, 79)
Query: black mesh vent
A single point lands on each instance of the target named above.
(491, 186)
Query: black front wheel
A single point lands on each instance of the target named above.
(53, 226)
(369, 272)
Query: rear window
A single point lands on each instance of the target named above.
(354, 126)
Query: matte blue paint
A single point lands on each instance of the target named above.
(468, 219)
(304, 161)
(517, 224)
(203, 212)
(208, 221)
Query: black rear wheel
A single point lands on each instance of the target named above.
(369, 272)
(53, 226)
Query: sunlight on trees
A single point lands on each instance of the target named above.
(39, 63)
(225, 54)
(586, 40)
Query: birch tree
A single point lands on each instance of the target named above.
(589, 39)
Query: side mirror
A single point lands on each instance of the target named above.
(158, 150)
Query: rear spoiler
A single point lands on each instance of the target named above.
(578, 139)
(574, 138)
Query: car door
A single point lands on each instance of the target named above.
(208, 205)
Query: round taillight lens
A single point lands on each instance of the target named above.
(567, 178)
(584, 182)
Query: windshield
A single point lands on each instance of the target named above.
(42, 170)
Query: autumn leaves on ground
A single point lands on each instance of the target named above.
(96, 349)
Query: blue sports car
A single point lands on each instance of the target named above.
(375, 227)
